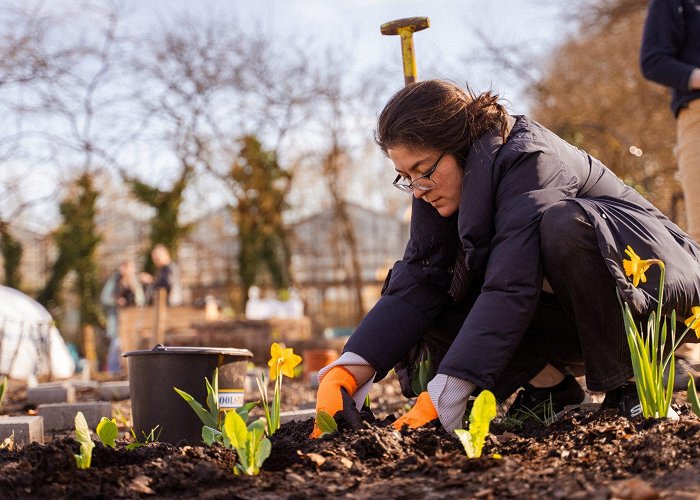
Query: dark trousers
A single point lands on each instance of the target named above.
(586, 292)
(577, 329)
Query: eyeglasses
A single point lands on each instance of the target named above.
(424, 182)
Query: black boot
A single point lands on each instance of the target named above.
(625, 400)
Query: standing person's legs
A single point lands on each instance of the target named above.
(585, 289)
(688, 151)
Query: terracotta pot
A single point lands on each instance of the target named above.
(315, 359)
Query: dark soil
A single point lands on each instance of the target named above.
(583, 455)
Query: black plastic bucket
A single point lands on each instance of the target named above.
(154, 373)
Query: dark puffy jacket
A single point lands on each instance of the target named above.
(505, 191)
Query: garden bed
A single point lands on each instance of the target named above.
(583, 455)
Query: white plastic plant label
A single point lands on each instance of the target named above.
(230, 398)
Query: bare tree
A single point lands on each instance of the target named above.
(591, 92)
(594, 95)
(343, 110)
(71, 120)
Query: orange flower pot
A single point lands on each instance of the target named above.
(315, 359)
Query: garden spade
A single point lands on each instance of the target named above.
(405, 29)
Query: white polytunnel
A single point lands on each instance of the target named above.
(30, 344)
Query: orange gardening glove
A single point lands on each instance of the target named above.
(421, 413)
(328, 397)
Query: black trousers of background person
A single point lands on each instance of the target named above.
(579, 328)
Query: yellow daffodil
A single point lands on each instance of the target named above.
(694, 321)
(282, 360)
(636, 267)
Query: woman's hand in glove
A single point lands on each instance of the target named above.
(421, 413)
(328, 397)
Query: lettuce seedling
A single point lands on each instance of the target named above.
(107, 431)
(326, 423)
(8, 443)
(250, 443)
(82, 435)
(483, 411)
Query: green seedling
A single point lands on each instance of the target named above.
(422, 374)
(326, 423)
(542, 413)
(693, 397)
(211, 435)
(108, 431)
(482, 413)
(211, 417)
(8, 443)
(250, 443)
(151, 437)
(82, 435)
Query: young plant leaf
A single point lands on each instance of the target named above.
(235, 429)
(206, 417)
(252, 448)
(151, 437)
(82, 435)
(107, 431)
(213, 396)
(466, 439)
(326, 423)
(422, 374)
(211, 435)
(693, 397)
(263, 452)
(244, 410)
(8, 443)
(483, 411)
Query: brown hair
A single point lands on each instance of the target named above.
(439, 115)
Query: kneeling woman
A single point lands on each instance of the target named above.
(513, 267)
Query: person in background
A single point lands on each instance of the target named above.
(670, 55)
(121, 289)
(167, 277)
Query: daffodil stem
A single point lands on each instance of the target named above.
(275, 423)
(661, 292)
